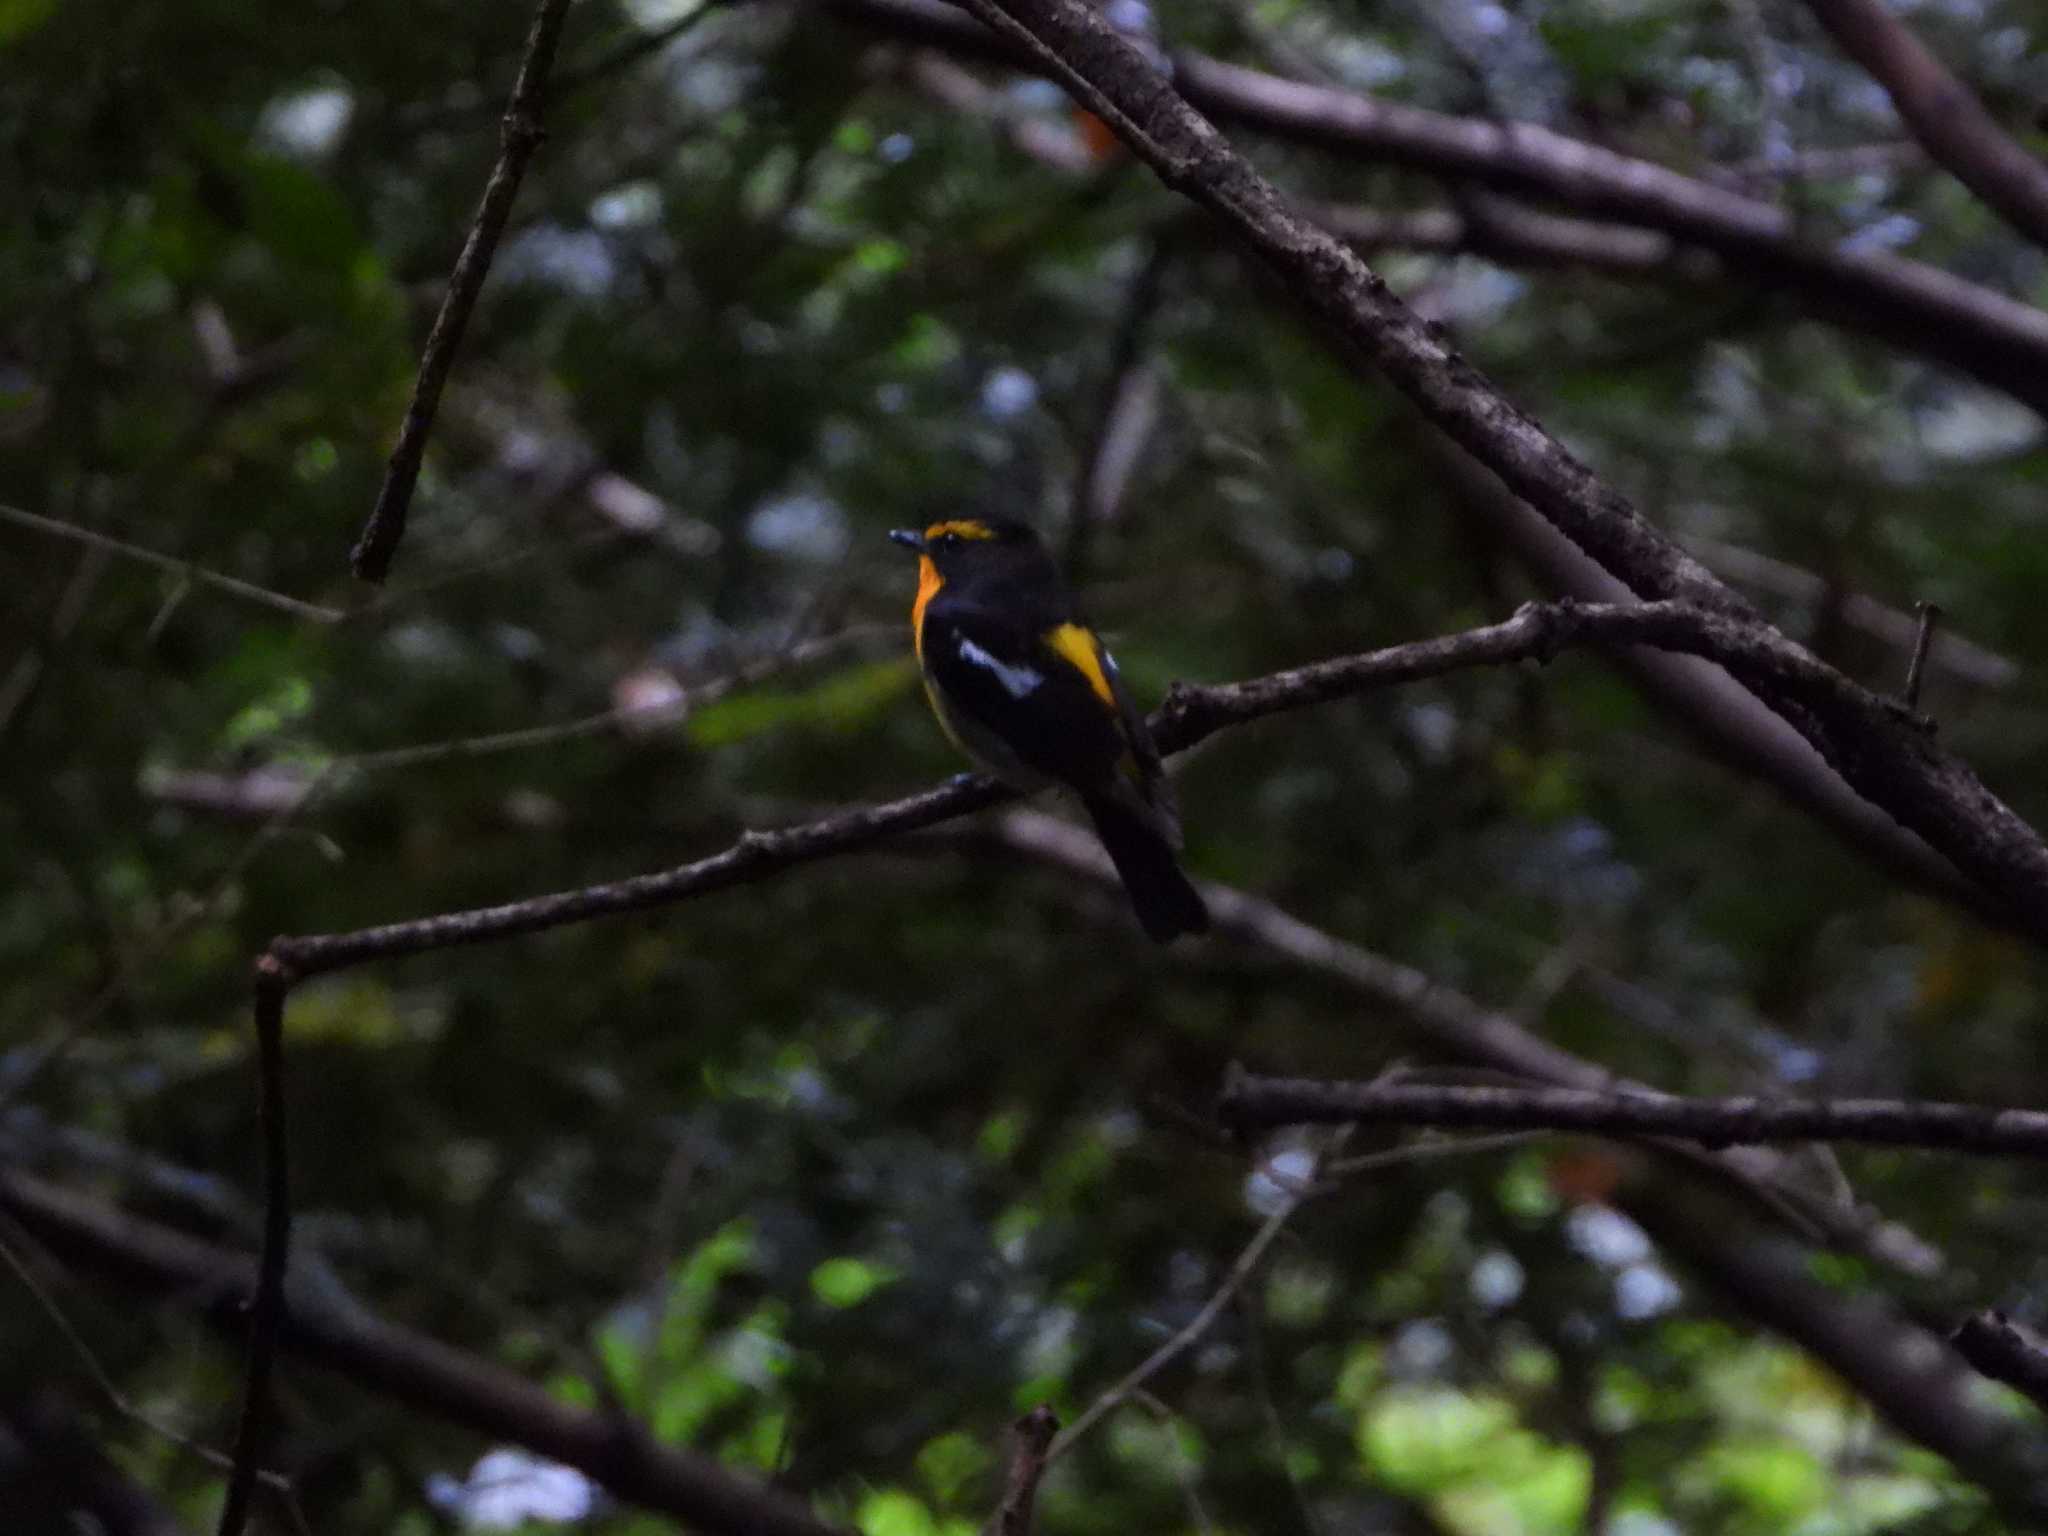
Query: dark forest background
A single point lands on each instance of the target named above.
(813, 1184)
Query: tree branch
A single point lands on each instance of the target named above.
(1894, 766)
(1033, 1435)
(519, 135)
(1918, 308)
(1190, 714)
(1944, 114)
(266, 1311)
(323, 1326)
(1729, 720)
(1250, 1101)
(1995, 1346)
(1460, 1029)
(1537, 631)
(1895, 1363)
(184, 570)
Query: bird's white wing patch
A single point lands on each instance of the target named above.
(1017, 681)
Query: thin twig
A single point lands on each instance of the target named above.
(1028, 1460)
(1190, 715)
(1189, 1335)
(184, 569)
(519, 135)
(273, 982)
(1930, 615)
(103, 1379)
(1250, 1101)
(1269, 1411)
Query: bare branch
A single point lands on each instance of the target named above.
(184, 570)
(519, 135)
(1943, 113)
(2001, 1350)
(1896, 1363)
(1918, 308)
(325, 1327)
(1895, 767)
(1245, 1266)
(1463, 1030)
(1249, 1101)
(267, 1308)
(1189, 715)
(1961, 658)
(1730, 720)
(1028, 1460)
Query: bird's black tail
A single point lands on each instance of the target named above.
(1167, 905)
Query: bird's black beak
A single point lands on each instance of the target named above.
(909, 538)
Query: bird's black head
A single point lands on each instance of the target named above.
(965, 547)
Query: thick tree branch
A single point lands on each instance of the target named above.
(519, 135)
(1995, 1345)
(1918, 308)
(1460, 1029)
(1250, 1101)
(1890, 764)
(1729, 720)
(1923, 1388)
(1894, 1362)
(427, 1376)
(1945, 116)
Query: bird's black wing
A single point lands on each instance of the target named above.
(1004, 677)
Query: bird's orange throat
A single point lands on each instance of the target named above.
(928, 584)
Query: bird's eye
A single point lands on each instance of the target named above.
(948, 540)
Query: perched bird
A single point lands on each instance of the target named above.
(1027, 690)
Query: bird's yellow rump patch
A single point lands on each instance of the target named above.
(1078, 645)
(960, 527)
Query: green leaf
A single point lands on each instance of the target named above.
(847, 1282)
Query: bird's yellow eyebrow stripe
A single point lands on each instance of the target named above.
(965, 528)
(1078, 646)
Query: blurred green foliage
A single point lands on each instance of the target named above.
(831, 1175)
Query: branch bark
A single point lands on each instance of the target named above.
(1728, 719)
(1892, 765)
(1995, 1346)
(1920, 309)
(1028, 1460)
(1895, 1363)
(519, 135)
(1944, 114)
(1251, 1101)
(427, 1376)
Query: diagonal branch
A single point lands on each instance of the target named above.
(1191, 714)
(1944, 114)
(1537, 631)
(1998, 1347)
(1886, 761)
(184, 570)
(519, 135)
(1033, 1434)
(1250, 1101)
(323, 1326)
(1876, 1349)
(1918, 308)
